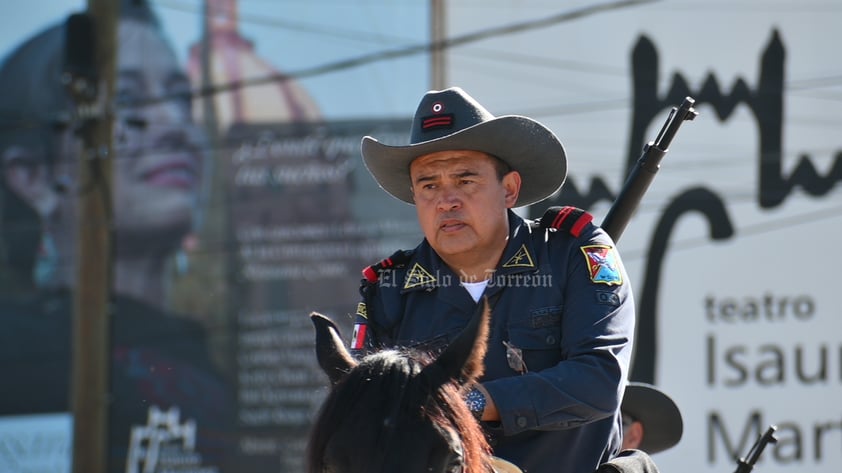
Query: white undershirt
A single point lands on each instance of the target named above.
(475, 289)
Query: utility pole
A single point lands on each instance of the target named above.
(215, 229)
(438, 34)
(90, 69)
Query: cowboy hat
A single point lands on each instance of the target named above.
(451, 119)
(661, 419)
(498, 465)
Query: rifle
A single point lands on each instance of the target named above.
(644, 171)
(745, 465)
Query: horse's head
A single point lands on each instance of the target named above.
(399, 410)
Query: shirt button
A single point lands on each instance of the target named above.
(550, 340)
(521, 422)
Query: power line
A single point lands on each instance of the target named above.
(388, 54)
(263, 20)
(412, 49)
(553, 110)
(546, 62)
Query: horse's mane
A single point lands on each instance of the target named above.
(388, 383)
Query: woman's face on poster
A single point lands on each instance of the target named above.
(158, 149)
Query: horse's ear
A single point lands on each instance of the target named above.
(462, 360)
(333, 357)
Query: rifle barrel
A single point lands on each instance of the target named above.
(641, 176)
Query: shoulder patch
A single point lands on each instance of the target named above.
(362, 310)
(567, 219)
(603, 265)
(358, 337)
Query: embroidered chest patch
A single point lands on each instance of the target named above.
(603, 265)
(418, 276)
(520, 259)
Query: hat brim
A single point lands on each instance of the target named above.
(660, 416)
(527, 146)
(504, 466)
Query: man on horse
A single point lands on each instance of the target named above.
(563, 311)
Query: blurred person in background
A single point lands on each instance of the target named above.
(651, 419)
(652, 423)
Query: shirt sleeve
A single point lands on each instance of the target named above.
(378, 290)
(597, 329)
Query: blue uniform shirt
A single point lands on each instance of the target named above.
(563, 302)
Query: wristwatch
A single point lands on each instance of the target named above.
(475, 400)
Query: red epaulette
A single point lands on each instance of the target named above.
(567, 219)
(398, 259)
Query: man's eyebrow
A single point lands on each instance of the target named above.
(425, 178)
(456, 174)
(465, 173)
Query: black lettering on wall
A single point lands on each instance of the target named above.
(819, 432)
(692, 200)
(766, 105)
(716, 429)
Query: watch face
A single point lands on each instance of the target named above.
(475, 401)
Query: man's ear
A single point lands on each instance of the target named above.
(633, 435)
(511, 183)
(29, 177)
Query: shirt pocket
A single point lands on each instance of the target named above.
(538, 335)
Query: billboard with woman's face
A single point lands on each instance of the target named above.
(239, 204)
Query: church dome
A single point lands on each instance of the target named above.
(233, 60)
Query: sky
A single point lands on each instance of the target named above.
(293, 36)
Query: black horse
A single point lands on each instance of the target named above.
(400, 410)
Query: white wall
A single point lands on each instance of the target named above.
(782, 262)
